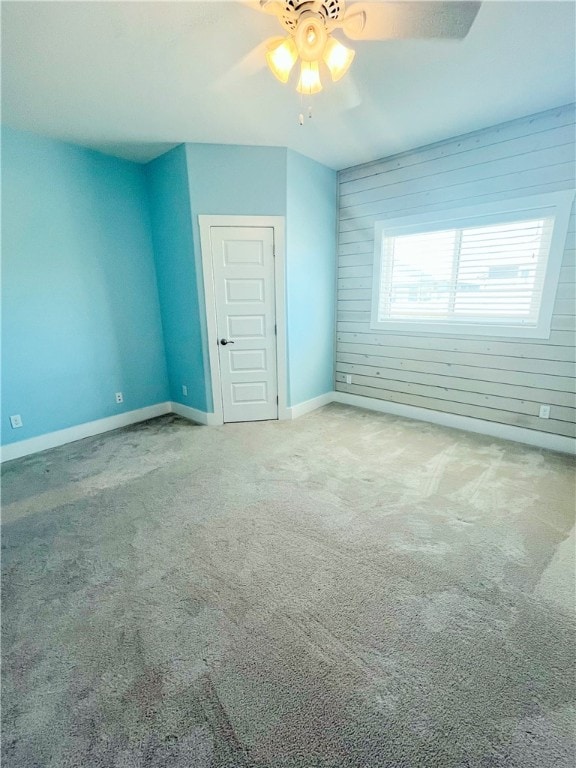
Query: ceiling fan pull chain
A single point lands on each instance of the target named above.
(301, 115)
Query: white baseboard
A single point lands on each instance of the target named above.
(89, 428)
(193, 414)
(491, 428)
(310, 405)
(211, 420)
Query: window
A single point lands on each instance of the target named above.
(492, 269)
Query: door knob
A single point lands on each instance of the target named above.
(225, 341)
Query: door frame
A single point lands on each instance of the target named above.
(277, 223)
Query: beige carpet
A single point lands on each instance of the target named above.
(348, 589)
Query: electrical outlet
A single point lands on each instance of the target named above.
(119, 397)
(544, 412)
(348, 379)
(16, 421)
(184, 390)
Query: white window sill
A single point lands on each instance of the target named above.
(462, 329)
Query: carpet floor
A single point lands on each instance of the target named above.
(349, 589)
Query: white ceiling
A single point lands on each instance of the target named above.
(134, 78)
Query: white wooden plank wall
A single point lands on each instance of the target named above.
(496, 379)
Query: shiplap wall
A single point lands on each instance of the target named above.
(490, 378)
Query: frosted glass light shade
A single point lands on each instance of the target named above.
(337, 58)
(309, 82)
(281, 58)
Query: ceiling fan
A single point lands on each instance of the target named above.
(309, 25)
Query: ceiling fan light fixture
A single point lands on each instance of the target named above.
(281, 57)
(309, 82)
(310, 37)
(337, 58)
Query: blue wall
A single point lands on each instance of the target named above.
(191, 180)
(234, 180)
(240, 181)
(80, 312)
(311, 277)
(102, 277)
(177, 278)
(273, 181)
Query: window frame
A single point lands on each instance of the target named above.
(556, 204)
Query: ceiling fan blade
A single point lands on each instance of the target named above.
(269, 6)
(250, 65)
(348, 94)
(353, 23)
(273, 7)
(404, 20)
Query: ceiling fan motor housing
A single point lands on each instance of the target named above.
(329, 10)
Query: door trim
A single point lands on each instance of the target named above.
(277, 223)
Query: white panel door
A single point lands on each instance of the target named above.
(243, 269)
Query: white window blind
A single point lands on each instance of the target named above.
(493, 273)
(492, 269)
